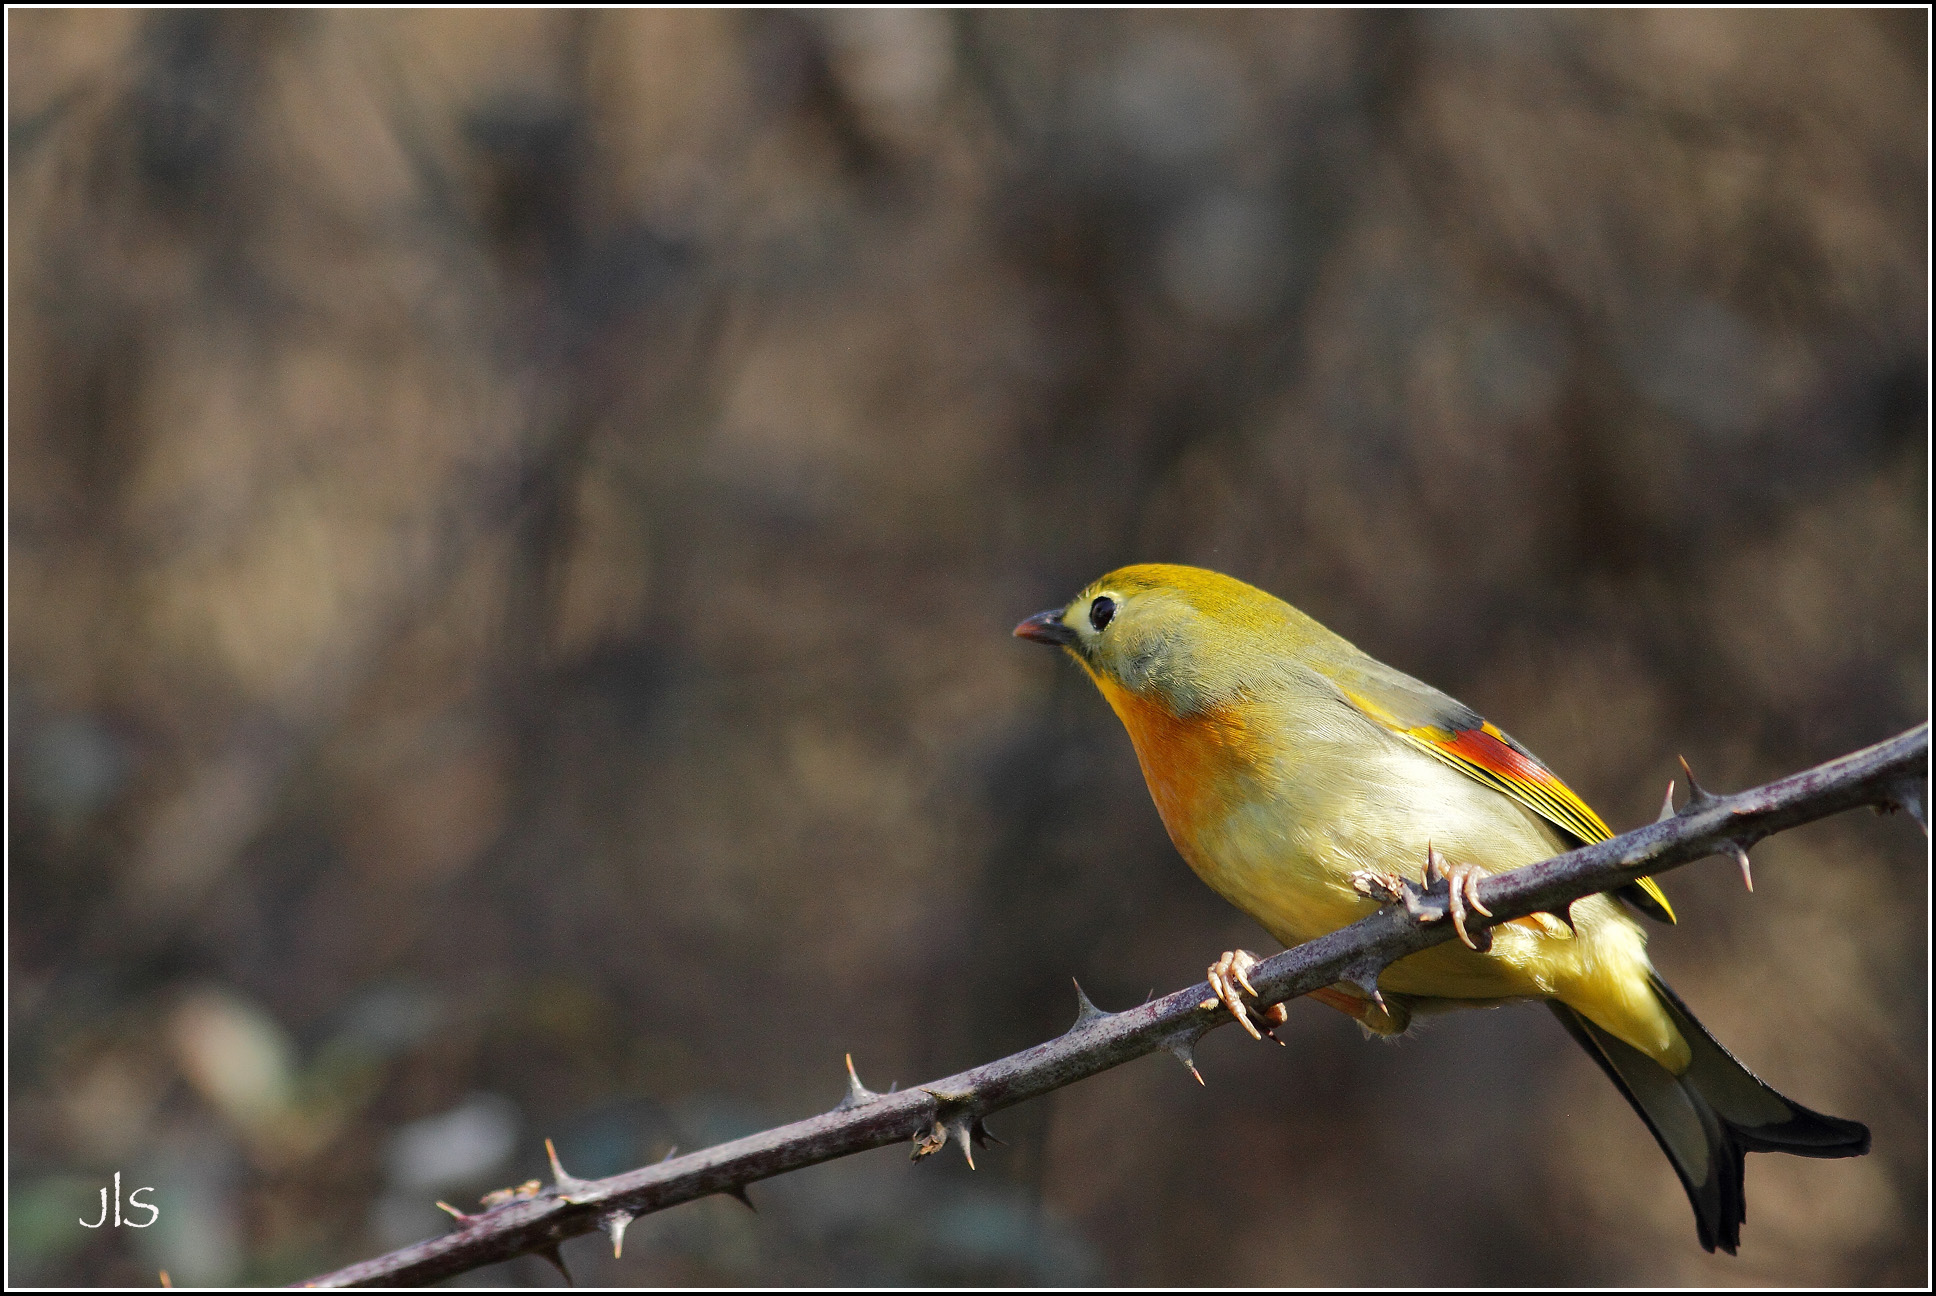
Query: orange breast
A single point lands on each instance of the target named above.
(1195, 765)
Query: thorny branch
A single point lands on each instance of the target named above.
(1888, 776)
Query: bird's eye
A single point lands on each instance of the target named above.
(1100, 611)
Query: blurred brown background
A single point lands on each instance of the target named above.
(516, 520)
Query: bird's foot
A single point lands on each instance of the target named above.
(1461, 893)
(1459, 896)
(1227, 976)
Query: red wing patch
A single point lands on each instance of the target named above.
(1495, 759)
(1502, 764)
(1490, 748)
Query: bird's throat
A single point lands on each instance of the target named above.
(1196, 765)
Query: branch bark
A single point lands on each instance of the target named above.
(1889, 776)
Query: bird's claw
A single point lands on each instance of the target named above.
(1227, 975)
(1461, 893)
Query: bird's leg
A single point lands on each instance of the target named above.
(1227, 975)
(1461, 892)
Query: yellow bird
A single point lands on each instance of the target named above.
(1302, 779)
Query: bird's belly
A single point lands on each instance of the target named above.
(1287, 859)
(1297, 887)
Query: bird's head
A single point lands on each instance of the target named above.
(1183, 637)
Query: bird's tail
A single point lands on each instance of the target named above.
(1708, 1118)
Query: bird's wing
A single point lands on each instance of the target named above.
(1452, 732)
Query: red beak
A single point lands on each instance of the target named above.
(1047, 628)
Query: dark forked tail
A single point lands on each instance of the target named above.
(1709, 1118)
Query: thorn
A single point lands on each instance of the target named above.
(963, 1134)
(1565, 914)
(1184, 1050)
(165, 1282)
(462, 1219)
(1747, 872)
(738, 1193)
(615, 1225)
(859, 1091)
(557, 1258)
(567, 1183)
(1697, 796)
(1911, 800)
(1365, 976)
(1421, 904)
(1086, 1011)
(858, 1094)
(982, 1135)
(1666, 805)
(670, 1153)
